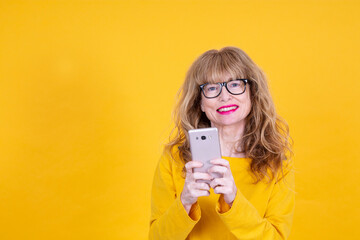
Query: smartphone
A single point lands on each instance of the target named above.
(204, 147)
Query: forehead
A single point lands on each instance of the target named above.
(223, 77)
(214, 73)
(216, 67)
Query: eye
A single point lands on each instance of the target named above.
(234, 84)
(211, 88)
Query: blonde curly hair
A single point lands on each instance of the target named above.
(266, 140)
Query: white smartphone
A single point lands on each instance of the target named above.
(204, 147)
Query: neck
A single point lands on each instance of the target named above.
(229, 137)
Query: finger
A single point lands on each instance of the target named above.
(218, 182)
(218, 169)
(200, 193)
(222, 190)
(221, 162)
(192, 164)
(202, 186)
(203, 176)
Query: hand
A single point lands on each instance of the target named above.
(226, 184)
(192, 189)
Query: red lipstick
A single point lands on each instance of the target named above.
(228, 109)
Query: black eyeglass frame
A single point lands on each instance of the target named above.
(225, 84)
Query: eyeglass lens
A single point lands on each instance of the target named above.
(214, 89)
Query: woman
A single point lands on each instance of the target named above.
(254, 198)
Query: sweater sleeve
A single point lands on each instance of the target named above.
(169, 219)
(245, 222)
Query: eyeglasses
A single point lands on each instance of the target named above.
(213, 90)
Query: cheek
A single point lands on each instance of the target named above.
(248, 103)
(248, 110)
(247, 107)
(206, 104)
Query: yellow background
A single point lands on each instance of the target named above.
(87, 89)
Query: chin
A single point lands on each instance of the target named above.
(227, 124)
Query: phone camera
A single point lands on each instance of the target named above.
(203, 137)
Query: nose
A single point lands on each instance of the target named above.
(224, 95)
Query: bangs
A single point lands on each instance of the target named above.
(220, 64)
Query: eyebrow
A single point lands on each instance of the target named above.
(231, 79)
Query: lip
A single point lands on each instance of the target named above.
(228, 112)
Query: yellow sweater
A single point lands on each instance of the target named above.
(259, 211)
